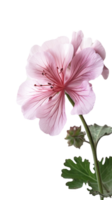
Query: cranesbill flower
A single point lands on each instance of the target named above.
(55, 69)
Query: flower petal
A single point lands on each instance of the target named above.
(52, 115)
(86, 42)
(86, 65)
(34, 105)
(47, 44)
(42, 66)
(49, 61)
(63, 55)
(105, 72)
(28, 98)
(76, 40)
(83, 96)
(99, 49)
(96, 44)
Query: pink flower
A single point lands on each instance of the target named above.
(53, 71)
(82, 43)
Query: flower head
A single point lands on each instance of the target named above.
(55, 69)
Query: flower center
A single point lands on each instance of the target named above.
(53, 84)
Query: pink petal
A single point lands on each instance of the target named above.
(52, 117)
(99, 49)
(47, 44)
(63, 55)
(96, 44)
(76, 40)
(86, 65)
(34, 103)
(83, 96)
(49, 61)
(86, 42)
(25, 94)
(105, 72)
(40, 63)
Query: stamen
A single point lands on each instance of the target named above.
(55, 88)
(37, 85)
(49, 76)
(52, 96)
(59, 72)
(61, 69)
(43, 73)
(40, 85)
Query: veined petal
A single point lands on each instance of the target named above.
(63, 55)
(29, 97)
(83, 96)
(47, 44)
(34, 104)
(49, 61)
(86, 65)
(42, 66)
(96, 44)
(76, 40)
(52, 115)
(105, 72)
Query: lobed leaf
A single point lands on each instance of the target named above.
(80, 173)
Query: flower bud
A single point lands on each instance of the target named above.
(75, 136)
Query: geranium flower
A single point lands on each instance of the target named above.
(43, 95)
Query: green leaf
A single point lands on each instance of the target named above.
(94, 193)
(105, 166)
(75, 184)
(80, 173)
(99, 131)
(80, 170)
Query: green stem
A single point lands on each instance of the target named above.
(94, 155)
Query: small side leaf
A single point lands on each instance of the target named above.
(99, 131)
